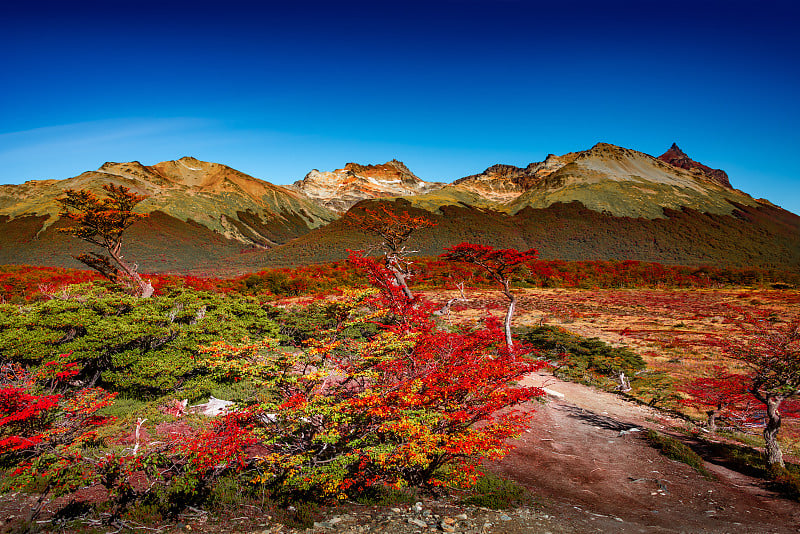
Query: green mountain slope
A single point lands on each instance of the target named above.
(200, 212)
(607, 203)
(762, 235)
(626, 183)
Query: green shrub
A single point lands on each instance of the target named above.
(143, 348)
(298, 325)
(581, 359)
(656, 388)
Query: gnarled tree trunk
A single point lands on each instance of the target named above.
(771, 445)
(400, 276)
(512, 304)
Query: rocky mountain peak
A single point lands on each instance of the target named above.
(340, 189)
(675, 151)
(393, 168)
(503, 183)
(678, 158)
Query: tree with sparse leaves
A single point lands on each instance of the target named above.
(771, 354)
(394, 229)
(501, 265)
(101, 222)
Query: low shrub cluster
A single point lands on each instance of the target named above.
(576, 358)
(675, 450)
(142, 348)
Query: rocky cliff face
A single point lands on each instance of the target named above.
(676, 157)
(340, 189)
(504, 183)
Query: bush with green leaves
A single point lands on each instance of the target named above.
(300, 324)
(581, 359)
(142, 348)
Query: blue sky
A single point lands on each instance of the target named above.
(449, 87)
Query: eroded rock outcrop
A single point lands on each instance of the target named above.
(340, 189)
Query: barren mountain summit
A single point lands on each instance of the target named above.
(675, 156)
(340, 189)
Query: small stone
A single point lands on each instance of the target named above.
(504, 517)
(448, 520)
(397, 510)
(417, 522)
(462, 517)
(447, 528)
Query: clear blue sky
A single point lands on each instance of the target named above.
(449, 87)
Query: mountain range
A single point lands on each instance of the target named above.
(607, 202)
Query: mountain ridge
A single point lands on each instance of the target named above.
(629, 183)
(606, 202)
(234, 204)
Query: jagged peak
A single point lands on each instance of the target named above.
(395, 164)
(678, 158)
(676, 148)
(501, 168)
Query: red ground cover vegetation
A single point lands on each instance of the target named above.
(25, 282)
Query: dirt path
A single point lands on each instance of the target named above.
(584, 458)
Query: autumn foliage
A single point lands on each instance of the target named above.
(393, 409)
(771, 356)
(500, 265)
(102, 222)
(722, 394)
